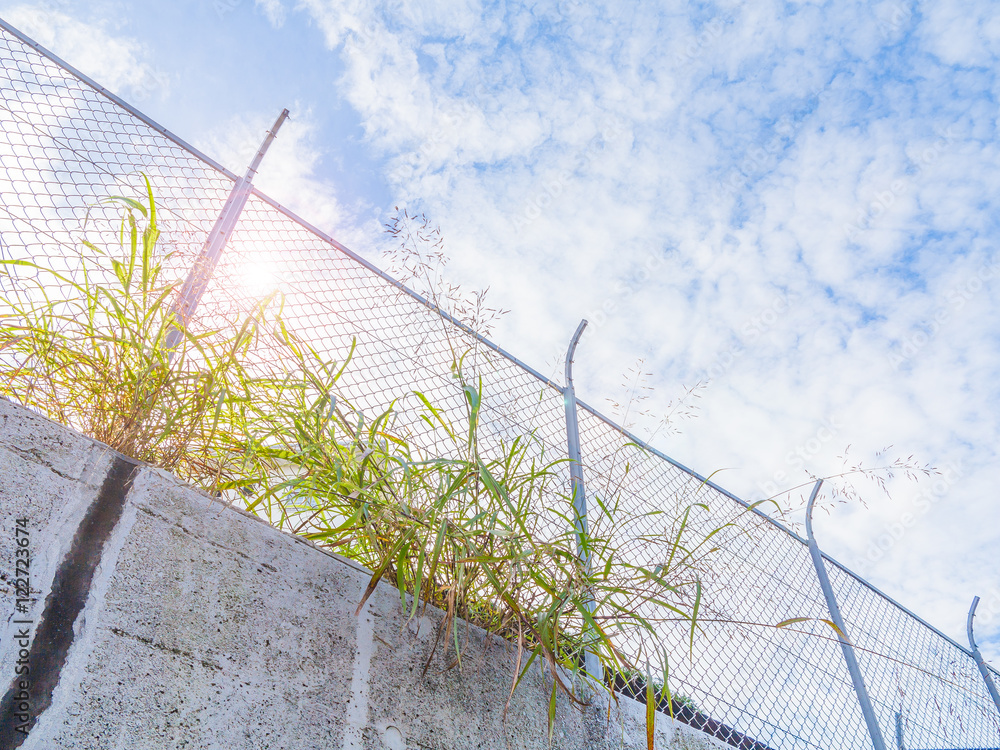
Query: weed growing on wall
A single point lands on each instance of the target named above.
(488, 537)
(86, 347)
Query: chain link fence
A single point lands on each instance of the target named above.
(66, 144)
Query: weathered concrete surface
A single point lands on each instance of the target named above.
(205, 628)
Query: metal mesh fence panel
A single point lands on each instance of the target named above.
(925, 688)
(788, 687)
(781, 687)
(67, 145)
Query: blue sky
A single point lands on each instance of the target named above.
(793, 202)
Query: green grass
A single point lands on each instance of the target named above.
(86, 348)
(487, 537)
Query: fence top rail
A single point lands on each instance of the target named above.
(452, 320)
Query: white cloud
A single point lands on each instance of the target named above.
(117, 63)
(738, 142)
(961, 34)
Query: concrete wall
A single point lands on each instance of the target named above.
(159, 618)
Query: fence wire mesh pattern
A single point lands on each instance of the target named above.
(66, 144)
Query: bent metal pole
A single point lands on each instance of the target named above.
(845, 644)
(580, 525)
(983, 669)
(201, 272)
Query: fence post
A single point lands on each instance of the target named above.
(580, 525)
(845, 644)
(201, 272)
(979, 657)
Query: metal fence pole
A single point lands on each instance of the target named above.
(979, 657)
(201, 272)
(845, 644)
(580, 524)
